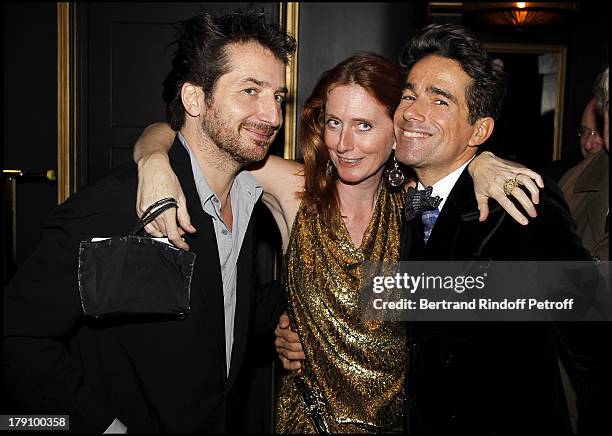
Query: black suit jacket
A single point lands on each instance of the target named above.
(155, 376)
(496, 377)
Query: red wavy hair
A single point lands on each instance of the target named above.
(382, 79)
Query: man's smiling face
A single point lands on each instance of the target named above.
(246, 109)
(431, 123)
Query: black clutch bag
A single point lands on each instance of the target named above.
(135, 275)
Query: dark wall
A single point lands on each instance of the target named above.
(331, 32)
(586, 38)
(29, 110)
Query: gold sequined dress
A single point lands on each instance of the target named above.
(354, 368)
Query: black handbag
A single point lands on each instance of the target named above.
(135, 275)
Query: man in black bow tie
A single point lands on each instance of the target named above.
(479, 377)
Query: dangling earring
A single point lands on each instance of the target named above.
(395, 176)
(329, 168)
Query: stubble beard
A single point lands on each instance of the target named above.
(230, 142)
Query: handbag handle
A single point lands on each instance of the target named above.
(153, 212)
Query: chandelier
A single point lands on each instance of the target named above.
(518, 15)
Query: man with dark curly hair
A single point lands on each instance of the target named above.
(224, 95)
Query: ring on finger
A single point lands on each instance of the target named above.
(509, 185)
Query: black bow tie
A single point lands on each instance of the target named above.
(418, 201)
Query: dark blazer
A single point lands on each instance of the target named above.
(496, 377)
(155, 376)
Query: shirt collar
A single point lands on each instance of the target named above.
(444, 186)
(244, 181)
(204, 191)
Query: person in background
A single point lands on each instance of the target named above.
(589, 132)
(586, 187)
(590, 139)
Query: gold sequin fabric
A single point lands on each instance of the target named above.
(355, 368)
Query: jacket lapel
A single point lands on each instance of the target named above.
(207, 275)
(591, 178)
(441, 241)
(411, 239)
(457, 234)
(596, 213)
(244, 297)
(594, 179)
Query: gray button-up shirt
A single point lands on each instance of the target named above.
(244, 193)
